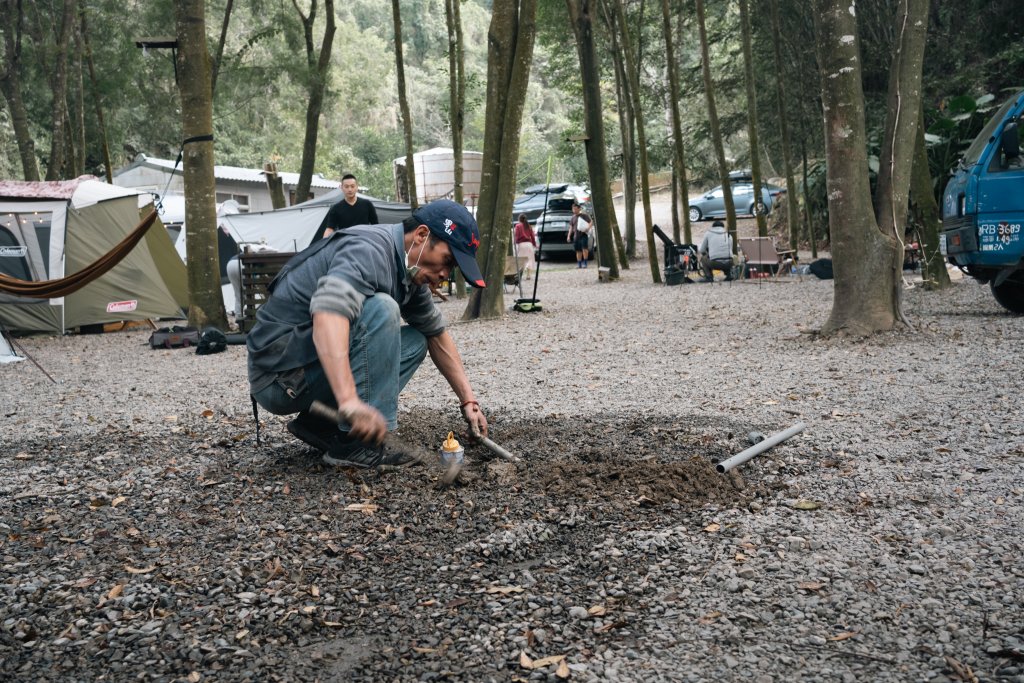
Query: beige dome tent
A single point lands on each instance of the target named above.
(51, 229)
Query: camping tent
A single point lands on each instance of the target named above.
(226, 247)
(293, 228)
(52, 229)
(7, 354)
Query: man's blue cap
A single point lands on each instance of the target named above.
(453, 223)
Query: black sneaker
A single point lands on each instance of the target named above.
(394, 458)
(344, 451)
(310, 430)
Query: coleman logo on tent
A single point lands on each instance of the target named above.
(13, 251)
(122, 306)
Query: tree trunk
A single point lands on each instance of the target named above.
(626, 117)
(926, 214)
(206, 304)
(275, 185)
(510, 40)
(680, 186)
(218, 58)
(755, 151)
(78, 108)
(456, 91)
(780, 88)
(812, 234)
(633, 78)
(55, 165)
(403, 104)
(581, 16)
(108, 166)
(892, 191)
(317, 67)
(457, 108)
(862, 255)
(10, 84)
(809, 228)
(716, 131)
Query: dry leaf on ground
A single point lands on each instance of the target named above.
(844, 636)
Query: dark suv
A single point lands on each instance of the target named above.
(552, 226)
(560, 198)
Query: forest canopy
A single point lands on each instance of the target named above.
(974, 54)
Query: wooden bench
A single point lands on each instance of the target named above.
(258, 270)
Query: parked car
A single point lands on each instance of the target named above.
(552, 228)
(560, 197)
(712, 204)
(744, 175)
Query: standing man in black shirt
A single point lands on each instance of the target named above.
(351, 210)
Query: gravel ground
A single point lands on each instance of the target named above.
(146, 536)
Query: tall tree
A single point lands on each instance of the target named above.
(926, 215)
(456, 90)
(318, 66)
(633, 77)
(456, 108)
(206, 304)
(218, 57)
(10, 84)
(680, 185)
(780, 88)
(59, 88)
(77, 106)
(867, 246)
(716, 129)
(755, 150)
(626, 132)
(108, 166)
(403, 104)
(581, 17)
(510, 40)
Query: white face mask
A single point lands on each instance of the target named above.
(414, 269)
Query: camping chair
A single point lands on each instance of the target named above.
(513, 276)
(760, 252)
(258, 270)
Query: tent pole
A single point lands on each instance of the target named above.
(19, 348)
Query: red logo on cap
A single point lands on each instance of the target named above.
(473, 241)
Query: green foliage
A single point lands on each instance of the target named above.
(950, 129)
(975, 47)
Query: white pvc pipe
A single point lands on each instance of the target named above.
(759, 448)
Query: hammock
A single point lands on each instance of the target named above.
(47, 289)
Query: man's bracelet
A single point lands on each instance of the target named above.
(466, 403)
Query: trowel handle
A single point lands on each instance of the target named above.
(325, 412)
(493, 447)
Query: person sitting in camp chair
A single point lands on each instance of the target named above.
(716, 252)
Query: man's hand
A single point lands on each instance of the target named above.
(475, 418)
(365, 422)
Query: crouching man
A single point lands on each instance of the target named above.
(331, 329)
(716, 252)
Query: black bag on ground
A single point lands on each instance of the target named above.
(822, 268)
(211, 340)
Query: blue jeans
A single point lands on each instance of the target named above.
(383, 355)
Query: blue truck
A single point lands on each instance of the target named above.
(983, 208)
